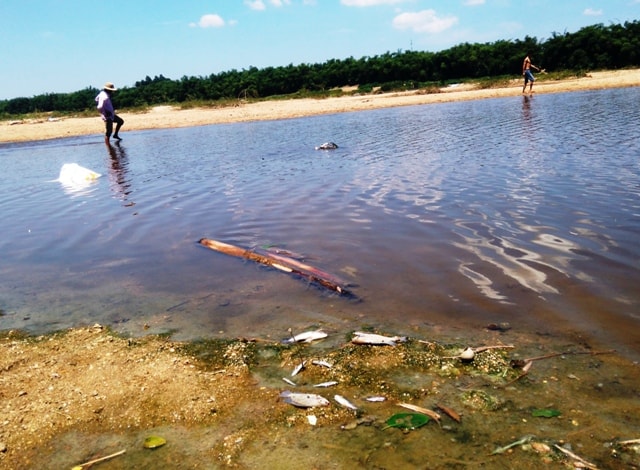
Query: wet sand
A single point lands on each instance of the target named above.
(73, 397)
(161, 117)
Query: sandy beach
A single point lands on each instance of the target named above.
(161, 117)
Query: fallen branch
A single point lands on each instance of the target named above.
(280, 262)
(630, 442)
(527, 363)
(575, 457)
(485, 348)
(101, 459)
(568, 353)
(525, 370)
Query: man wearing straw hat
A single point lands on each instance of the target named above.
(109, 116)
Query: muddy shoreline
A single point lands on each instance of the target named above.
(74, 396)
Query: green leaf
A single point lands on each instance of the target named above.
(550, 413)
(407, 421)
(153, 442)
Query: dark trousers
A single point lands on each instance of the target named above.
(109, 125)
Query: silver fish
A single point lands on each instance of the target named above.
(375, 399)
(303, 400)
(298, 368)
(321, 363)
(290, 382)
(374, 339)
(344, 402)
(327, 384)
(306, 337)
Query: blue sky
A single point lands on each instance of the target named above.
(59, 46)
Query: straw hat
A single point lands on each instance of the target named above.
(109, 86)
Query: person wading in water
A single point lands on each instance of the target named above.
(526, 73)
(109, 116)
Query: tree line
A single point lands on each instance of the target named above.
(593, 47)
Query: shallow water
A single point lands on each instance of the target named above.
(523, 210)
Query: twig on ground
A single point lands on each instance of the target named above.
(629, 442)
(576, 457)
(101, 459)
(568, 353)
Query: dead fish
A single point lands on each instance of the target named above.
(322, 364)
(374, 339)
(326, 384)
(375, 399)
(306, 337)
(290, 382)
(344, 402)
(298, 368)
(303, 400)
(327, 146)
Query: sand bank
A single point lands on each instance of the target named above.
(161, 117)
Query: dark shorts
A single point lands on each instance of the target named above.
(109, 124)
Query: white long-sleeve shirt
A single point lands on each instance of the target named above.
(104, 105)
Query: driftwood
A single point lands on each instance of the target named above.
(283, 263)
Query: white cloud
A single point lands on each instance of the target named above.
(255, 4)
(592, 12)
(209, 21)
(473, 3)
(425, 21)
(259, 5)
(369, 3)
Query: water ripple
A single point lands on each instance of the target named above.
(503, 206)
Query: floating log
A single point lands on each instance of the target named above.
(283, 263)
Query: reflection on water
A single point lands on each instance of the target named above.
(523, 209)
(118, 181)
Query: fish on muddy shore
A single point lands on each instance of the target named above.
(299, 368)
(331, 383)
(321, 363)
(375, 339)
(303, 400)
(306, 337)
(376, 399)
(344, 402)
